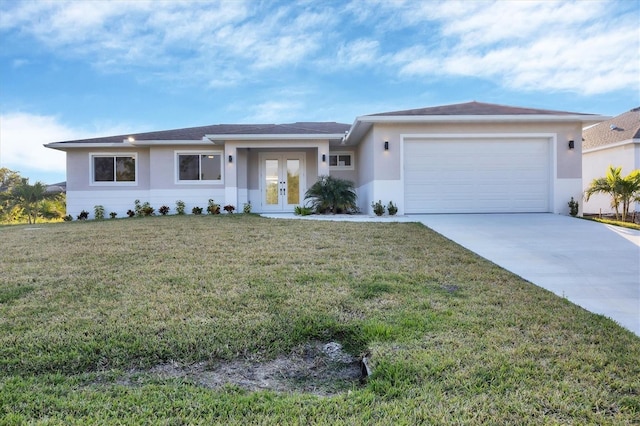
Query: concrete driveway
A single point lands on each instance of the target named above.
(593, 265)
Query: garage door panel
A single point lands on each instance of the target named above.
(463, 176)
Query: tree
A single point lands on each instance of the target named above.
(29, 198)
(8, 180)
(622, 190)
(332, 195)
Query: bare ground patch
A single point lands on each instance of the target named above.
(322, 369)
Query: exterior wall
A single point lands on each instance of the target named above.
(365, 173)
(595, 164)
(156, 185)
(387, 184)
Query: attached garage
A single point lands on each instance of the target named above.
(477, 174)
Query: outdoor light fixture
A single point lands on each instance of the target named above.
(231, 158)
(386, 145)
(131, 139)
(324, 158)
(571, 144)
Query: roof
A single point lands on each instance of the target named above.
(624, 127)
(197, 133)
(475, 108)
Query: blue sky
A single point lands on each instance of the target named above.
(79, 69)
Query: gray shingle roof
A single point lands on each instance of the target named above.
(620, 128)
(197, 133)
(475, 108)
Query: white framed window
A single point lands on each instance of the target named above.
(199, 166)
(114, 168)
(341, 161)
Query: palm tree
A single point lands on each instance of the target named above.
(29, 197)
(622, 190)
(332, 195)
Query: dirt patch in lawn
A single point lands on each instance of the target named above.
(322, 369)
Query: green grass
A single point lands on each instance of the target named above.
(453, 339)
(629, 225)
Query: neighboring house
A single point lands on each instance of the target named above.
(57, 188)
(462, 158)
(614, 142)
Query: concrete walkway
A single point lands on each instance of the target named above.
(593, 265)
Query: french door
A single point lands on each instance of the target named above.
(282, 181)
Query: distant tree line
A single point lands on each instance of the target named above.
(22, 202)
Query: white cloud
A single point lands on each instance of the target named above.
(527, 45)
(22, 136)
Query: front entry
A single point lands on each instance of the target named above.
(282, 181)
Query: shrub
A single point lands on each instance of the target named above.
(113, 215)
(68, 218)
(378, 208)
(392, 208)
(196, 210)
(83, 215)
(137, 208)
(573, 207)
(98, 212)
(131, 213)
(229, 208)
(332, 195)
(246, 208)
(302, 211)
(213, 208)
(180, 207)
(163, 210)
(147, 210)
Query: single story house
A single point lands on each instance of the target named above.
(614, 142)
(464, 158)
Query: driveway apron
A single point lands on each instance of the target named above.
(593, 265)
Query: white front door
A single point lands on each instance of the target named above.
(282, 178)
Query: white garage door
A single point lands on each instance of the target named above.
(476, 175)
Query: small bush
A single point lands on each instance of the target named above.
(147, 210)
(113, 215)
(229, 208)
(163, 210)
(378, 208)
(213, 208)
(131, 213)
(302, 211)
(137, 208)
(246, 208)
(392, 208)
(180, 206)
(83, 215)
(196, 210)
(573, 207)
(68, 218)
(98, 212)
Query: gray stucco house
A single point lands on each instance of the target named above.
(462, 158)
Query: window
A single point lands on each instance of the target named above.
(341, 161)
(109, 168)
(199, 166)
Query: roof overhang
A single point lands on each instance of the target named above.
(363, 124)
(612, 145)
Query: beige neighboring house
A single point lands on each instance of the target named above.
(613, 142)
(464, 158)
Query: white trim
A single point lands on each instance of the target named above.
(613, 145)
(268, 137)
(481, 118)
(338, 153)
(162, 142)
(93, 182)
(176, 175)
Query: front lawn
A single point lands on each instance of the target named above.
(227, 320)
